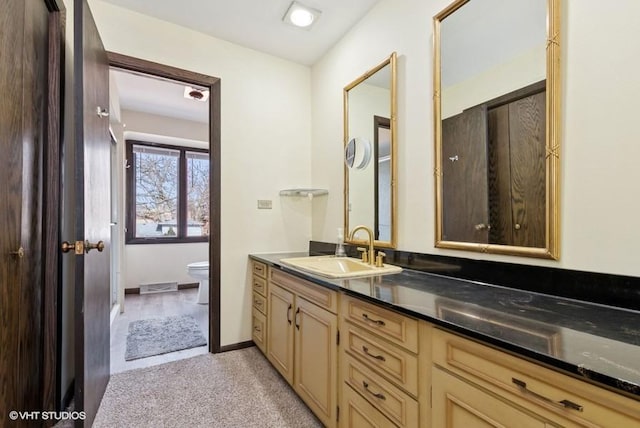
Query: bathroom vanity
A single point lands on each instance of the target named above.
(422, 350)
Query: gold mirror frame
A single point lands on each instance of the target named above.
(391, 61)
(552, 133)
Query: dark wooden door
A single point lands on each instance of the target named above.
(465, 215)
(517, 172)
(23, 127)
(92, 154)
(527, 130)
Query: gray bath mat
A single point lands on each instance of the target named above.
(157, 336)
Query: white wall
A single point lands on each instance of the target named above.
(266, 122)
(599, 197)
(365, 102)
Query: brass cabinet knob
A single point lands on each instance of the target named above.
(517, 226)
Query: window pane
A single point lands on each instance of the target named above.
(197, 194)
(156, 186)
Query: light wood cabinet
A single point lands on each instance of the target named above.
(386, 369)
(315, 359)
(473, 378)
(280, 330)
(359, 413)
(380, 366)
(259, 305)
(459, 404)
(302, 341)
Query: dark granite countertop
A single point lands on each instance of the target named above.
(595, 342)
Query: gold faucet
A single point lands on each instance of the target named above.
(371, 257)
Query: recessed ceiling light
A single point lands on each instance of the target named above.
(301, 15)
(196, 94)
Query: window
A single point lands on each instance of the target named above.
(167, 194)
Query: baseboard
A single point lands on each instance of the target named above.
(136, 290)
(236, 346)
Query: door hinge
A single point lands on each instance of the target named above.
(338, 338)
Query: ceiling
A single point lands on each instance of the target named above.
(149, 94)
(255, 24)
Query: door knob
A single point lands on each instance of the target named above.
(80, 247)
(19, 253)
(88, 246)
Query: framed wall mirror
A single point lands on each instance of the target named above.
(370, 153)
(497, 126)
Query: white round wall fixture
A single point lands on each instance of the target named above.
(357, 153)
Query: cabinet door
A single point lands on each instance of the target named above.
(458, 404)
(280, 331)
(316, 355)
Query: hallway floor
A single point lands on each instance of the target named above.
(144, 306)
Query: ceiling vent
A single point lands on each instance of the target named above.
(196, 94)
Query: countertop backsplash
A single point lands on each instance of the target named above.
(607, 289)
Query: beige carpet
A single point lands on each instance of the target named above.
(232, 389)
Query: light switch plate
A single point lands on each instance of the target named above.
(264, 204)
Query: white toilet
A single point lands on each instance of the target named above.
(200, 271)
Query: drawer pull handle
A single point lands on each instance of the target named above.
(375, 394)
(257, 302)
(562, 403)
(288, 313)
(377, 322)
(297, 312)
(256, 328)
(377, 357)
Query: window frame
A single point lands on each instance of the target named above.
(182, 209)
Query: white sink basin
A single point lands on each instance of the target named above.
(338, 267)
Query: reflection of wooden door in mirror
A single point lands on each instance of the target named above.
(464, 176)
(517, 169)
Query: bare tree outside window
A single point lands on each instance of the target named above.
(158, 183)
(197, 194)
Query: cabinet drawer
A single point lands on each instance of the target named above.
(393, 326)
(393, 363)
(314, 293)
(259, 268)
(356, 412)
(531, 385)
(259, 285)
(259, 330)
(383, 395)
(260, 303)
(458, 404)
